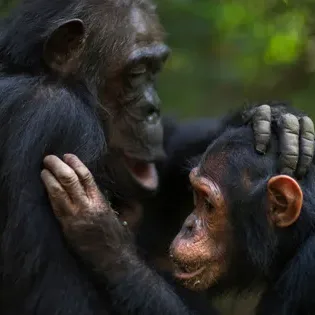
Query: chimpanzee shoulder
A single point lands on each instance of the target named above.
(37, 118)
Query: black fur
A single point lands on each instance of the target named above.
(39, 276)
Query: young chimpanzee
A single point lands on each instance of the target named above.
(250, 228)
(165, 213)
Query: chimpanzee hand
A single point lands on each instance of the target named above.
(71, 188)
(296, 133)
(89, 224)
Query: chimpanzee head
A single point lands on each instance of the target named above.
(248, 220)
(115, 50)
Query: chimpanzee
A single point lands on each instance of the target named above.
(211, 245)
(251, 227)
(164, 214)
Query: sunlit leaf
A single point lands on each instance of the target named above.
(285, 44)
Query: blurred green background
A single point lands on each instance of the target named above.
(228, 52)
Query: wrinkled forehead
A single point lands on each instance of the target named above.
(228, 168)
(134, 34)
(146, 26)
(214, 165)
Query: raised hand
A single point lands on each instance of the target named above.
(89, 224)
(295, 130)
(71, 188)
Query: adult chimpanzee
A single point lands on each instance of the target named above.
(75, 76)
(96, 234)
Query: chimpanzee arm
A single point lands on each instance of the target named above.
(96, 234)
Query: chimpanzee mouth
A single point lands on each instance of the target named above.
(143, 172)
(186, 273)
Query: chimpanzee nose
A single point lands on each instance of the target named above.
(189, 225)
(152, 97)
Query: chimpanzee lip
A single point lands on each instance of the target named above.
(186, 271)
(183, 274)
(143, 172)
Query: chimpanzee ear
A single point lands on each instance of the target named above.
(64, 46)
(286, 199)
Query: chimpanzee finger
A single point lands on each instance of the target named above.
(67, 178)
(289, 143)
(88, 182)
(58, 197)
(81, 170)
(307, 145)
(262, 127)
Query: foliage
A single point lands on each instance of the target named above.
(228, 52)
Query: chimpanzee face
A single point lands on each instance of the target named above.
(242, 209)
(119, 51)
(199, 249)
(134, 124)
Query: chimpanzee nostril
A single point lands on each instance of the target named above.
(189, 225)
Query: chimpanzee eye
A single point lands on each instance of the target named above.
(208, 205)
(138, 70)
(137, 75)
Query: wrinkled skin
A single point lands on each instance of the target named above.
(80, 206)
(296, 134)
